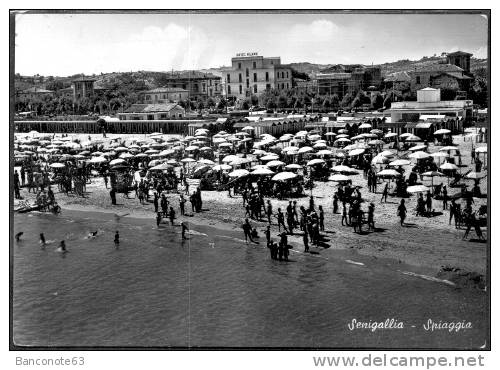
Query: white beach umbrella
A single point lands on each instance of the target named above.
(388, 173)
(275, 163)
(338, 178)
(448, 166)
(117, 161)
(57, 165)
(222, 167)
(293, 166)
(269, 157)
(399, 162)
(305, 149)
(188, 160)
(390, 134)
(238, 173)
(283, 176)
(442, 131)
(262, 172)
(98, 160)
(229, 158)
(419, 155)
(417, 189)
(314, 162)
(356, 152)
(344, 169)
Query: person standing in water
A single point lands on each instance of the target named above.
(184, 229)
(42, 240)
(171, 215)
(117, 238)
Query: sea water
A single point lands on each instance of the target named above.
(214, 290)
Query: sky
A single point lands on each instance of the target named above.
(67, 44)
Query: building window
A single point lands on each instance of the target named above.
(248, 83)
(241, 89)
(418, 79)
(254, 65)
(239, 78)
(210, 82)
(204, 87)
(228, 78)
(287, 74)
(228, 90)
(184, 86)
(255, 77)
(216, 86)
(246, 73)
(267, 76)
(268, 87)
(239, 65)
(287, 85)
(255, 88)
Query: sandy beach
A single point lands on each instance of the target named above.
(428, 243)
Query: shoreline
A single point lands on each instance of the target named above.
(384, 249)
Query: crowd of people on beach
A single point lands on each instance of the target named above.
(38, 173)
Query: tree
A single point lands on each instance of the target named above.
(282, 101)
(245, 105)
(271, 104)
(200, 105)
(347, 100)
(222, 104)
(254, 99)
(335, 101)
(210, 103)
(377, 101)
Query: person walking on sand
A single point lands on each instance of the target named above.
(371, 221)
(344, 214)
(158, 219)
(385, 193)
(269, 211)
(402, 211)
(305, 239)
(445, 198)
(321, 218)
(428, 202)
(171, 215)
(155, 201)
(335, 203)
(281, 220)
(453, 210)
(268, 235)
(182, 202)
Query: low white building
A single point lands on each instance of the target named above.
(153, 112)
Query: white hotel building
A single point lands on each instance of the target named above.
(251, 74)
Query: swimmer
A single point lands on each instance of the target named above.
(18, 236)
(42, 239)
(93, 234)
(117, 238)
(62, 247)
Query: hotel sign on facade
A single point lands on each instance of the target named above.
(253, 54)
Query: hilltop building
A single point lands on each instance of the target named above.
(83, 87)
(164, 95)
(343, 79)
(32, 93)
(197, 84)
